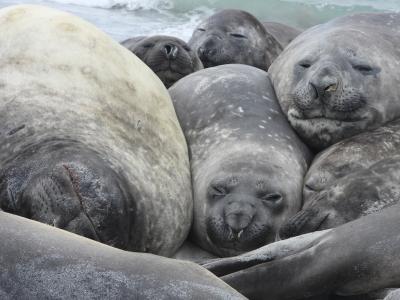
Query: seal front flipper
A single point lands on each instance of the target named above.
(275, 251)
(353, 259)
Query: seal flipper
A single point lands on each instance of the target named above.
(278, 279)
(275, 251)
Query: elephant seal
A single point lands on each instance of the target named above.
(234, 37)
(169, 57)
(284, 34)
(38, 261)
(331, 86)
(89, 139)
(350, 179)
(247, 163)
(353, 259)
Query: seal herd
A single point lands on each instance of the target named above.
(268, 170)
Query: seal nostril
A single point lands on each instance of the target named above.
(331, 88)
(171, 51)
(237, 222)
(168, 49)
(200, 51)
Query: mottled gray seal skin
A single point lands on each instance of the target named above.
(169, 57)
(234, 37)
(284, 34)
(353, 259)
(38, 261)
(247, 163)
(89, 139)
(332, 86)
(350, 179)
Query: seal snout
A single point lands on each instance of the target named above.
(238, 217)
(209, 49)
(170, 50)
(325, 82)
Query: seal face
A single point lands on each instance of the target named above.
(331, 86)
(89, 139)
(169, 57)
(234, 37)
(350, 179)
(245, 205)
(247, 163)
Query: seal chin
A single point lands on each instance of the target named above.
(229, 242)
(323, 131)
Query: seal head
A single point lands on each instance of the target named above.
(169, 57)
(234, 36)
(332, 86)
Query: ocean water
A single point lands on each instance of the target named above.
(127, 18)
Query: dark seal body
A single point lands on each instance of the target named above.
(247, 163)
(169, 57)
(89, 139)
(331, 85)
(234, 37)
(41, 262)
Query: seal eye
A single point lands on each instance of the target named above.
(218, 191)
(272, 197)
(148, 45)
(238, 35)
(305, 64)
(309, 188)
(364, 69)
(201, 29)
(186, 48)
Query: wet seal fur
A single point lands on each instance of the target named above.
(351, 179)
(247, 163)
(89, 139)
(332, 86)
(353, 259)
(234, 37)
(169, 57)
(42, 262)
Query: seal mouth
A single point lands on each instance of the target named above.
(229, 242)
(295, 116)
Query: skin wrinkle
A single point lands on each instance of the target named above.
(75, 183)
